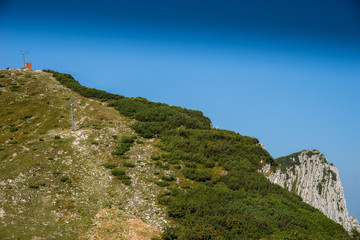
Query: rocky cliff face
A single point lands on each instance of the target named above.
(310, 175)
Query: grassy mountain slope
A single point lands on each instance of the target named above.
(198, 182)
(33, 161)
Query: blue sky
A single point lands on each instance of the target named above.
(286, 72)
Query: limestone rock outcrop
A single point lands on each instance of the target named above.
(309, 174)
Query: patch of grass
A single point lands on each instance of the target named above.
(190, 165)
(162, 183)
(26, 116)
(33, 186)
(168, 178)
(64, 179)
(310, 154)
(94, 143)
(41, 139)
(117, 172)
(289, 161)
(126, 181)
(13, 129)
(122, 177)
(14, 87)
(57, 137)
(128, 139)
(110, 165)
(164, 166)
(155, 158)
(138, 141)
(128, 164)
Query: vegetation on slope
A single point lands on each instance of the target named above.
(55, 187)
(230, 199)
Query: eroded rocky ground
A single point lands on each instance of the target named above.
(52, 182)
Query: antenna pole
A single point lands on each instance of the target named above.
(23, 53)
(72, 116)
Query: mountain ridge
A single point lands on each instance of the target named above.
(160, 164)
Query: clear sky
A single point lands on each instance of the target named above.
(286, 72)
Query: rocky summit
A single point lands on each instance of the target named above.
(309, 174)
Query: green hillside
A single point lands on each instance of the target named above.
(133, 159)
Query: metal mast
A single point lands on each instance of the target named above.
(72, 117)
(23, 53)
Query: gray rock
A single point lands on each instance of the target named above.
(317, 181)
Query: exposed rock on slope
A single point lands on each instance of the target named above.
(309, 174)
(52, 182)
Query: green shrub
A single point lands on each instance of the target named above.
(117, 152)
(162, 184)
(117, 172)
(2, 76)
(209, 163)
(33, 186)
(162, 165)
(57, 137)
(41, 139)
(70, 82)
(64, 179)
(124, 177)
(177, 166)
(128, 139)
(109, 165)
(139, 141)
(114, 137)
(200, 175)
(122, 149)
(168, 178)
(155, 158)
(126, 181)
(13, 129)
(14, 87)
(190, 165)
(26, 116)
(128, 164)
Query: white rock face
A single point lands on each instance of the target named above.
(309, 174)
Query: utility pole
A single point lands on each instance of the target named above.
(72, 117)
(23, 53)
